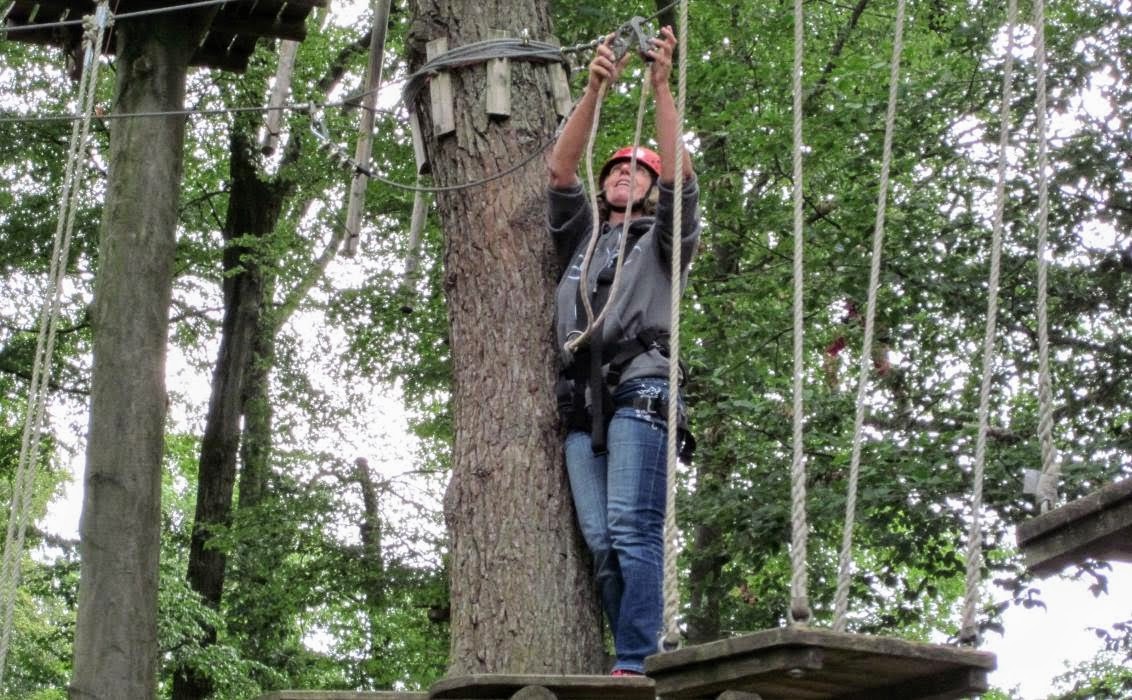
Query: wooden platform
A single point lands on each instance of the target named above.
(340, 694)
(806, 663)
(1097, 526)
(228, 46)
(536, 687)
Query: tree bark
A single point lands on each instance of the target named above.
(116, 650)
(522, 595)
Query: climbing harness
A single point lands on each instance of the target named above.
(23, 483)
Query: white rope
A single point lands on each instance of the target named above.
(968, 632)
(841, 599)
(592, 324)
(23, 485)
(671, 548)
(1051, 465)
(799, 600)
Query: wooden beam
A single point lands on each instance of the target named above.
(441, 98)
(260, 25)
(497, 98)
(364, 147)
(802, 663)
(1096, 526)
(560, 85)
(274, 120)
(490, 686)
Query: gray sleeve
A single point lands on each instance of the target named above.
(689, 221)
(569, 219)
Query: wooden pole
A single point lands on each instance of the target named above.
(365, 132)
(282, 88)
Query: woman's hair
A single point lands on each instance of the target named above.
(646, 208)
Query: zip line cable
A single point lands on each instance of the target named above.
(24, 482)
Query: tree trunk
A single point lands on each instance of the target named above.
(253, 210)
(522, 595)
(116, 650)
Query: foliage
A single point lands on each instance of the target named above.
(306, 608)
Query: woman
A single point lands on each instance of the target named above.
(618, 470)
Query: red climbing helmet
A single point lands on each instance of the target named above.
(645, 156)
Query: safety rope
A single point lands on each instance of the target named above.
(671, 585)
(1051, 465)
(799, 599)
(968, 633)
(592, 323)
(841, 599)
(23, 484)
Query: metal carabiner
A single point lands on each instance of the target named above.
(632, 35)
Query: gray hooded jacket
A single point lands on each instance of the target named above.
(643, 300)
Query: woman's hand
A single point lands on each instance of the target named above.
(661, 56)
(605, 68)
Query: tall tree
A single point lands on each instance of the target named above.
(116, 637)
(521, 592)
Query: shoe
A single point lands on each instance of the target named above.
(624, 672)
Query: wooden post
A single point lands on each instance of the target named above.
(440, 92)
(560, 85)
(419, 152)
(408, 290)
(365, 131)
(272, 127)
(498, 95)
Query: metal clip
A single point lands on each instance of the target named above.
(632, 35)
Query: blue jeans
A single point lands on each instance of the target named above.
(620, 500)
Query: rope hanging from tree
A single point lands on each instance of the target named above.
(23, 484)
(592, 323)
(799, 600)
(671, 588)
(800, 612)
(1051, 465)
(841, 598)
(968, 632)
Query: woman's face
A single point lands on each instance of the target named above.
(620, 191)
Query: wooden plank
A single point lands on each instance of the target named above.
(560, 85)
(364, 147)
(441, 99)
(571, 687)
(340, 695)
(711, 679)
(227, 46)
(497, 97)
(273, 122)
(1096, 526)
(798, 663)
(419, 152)
(261, 26)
